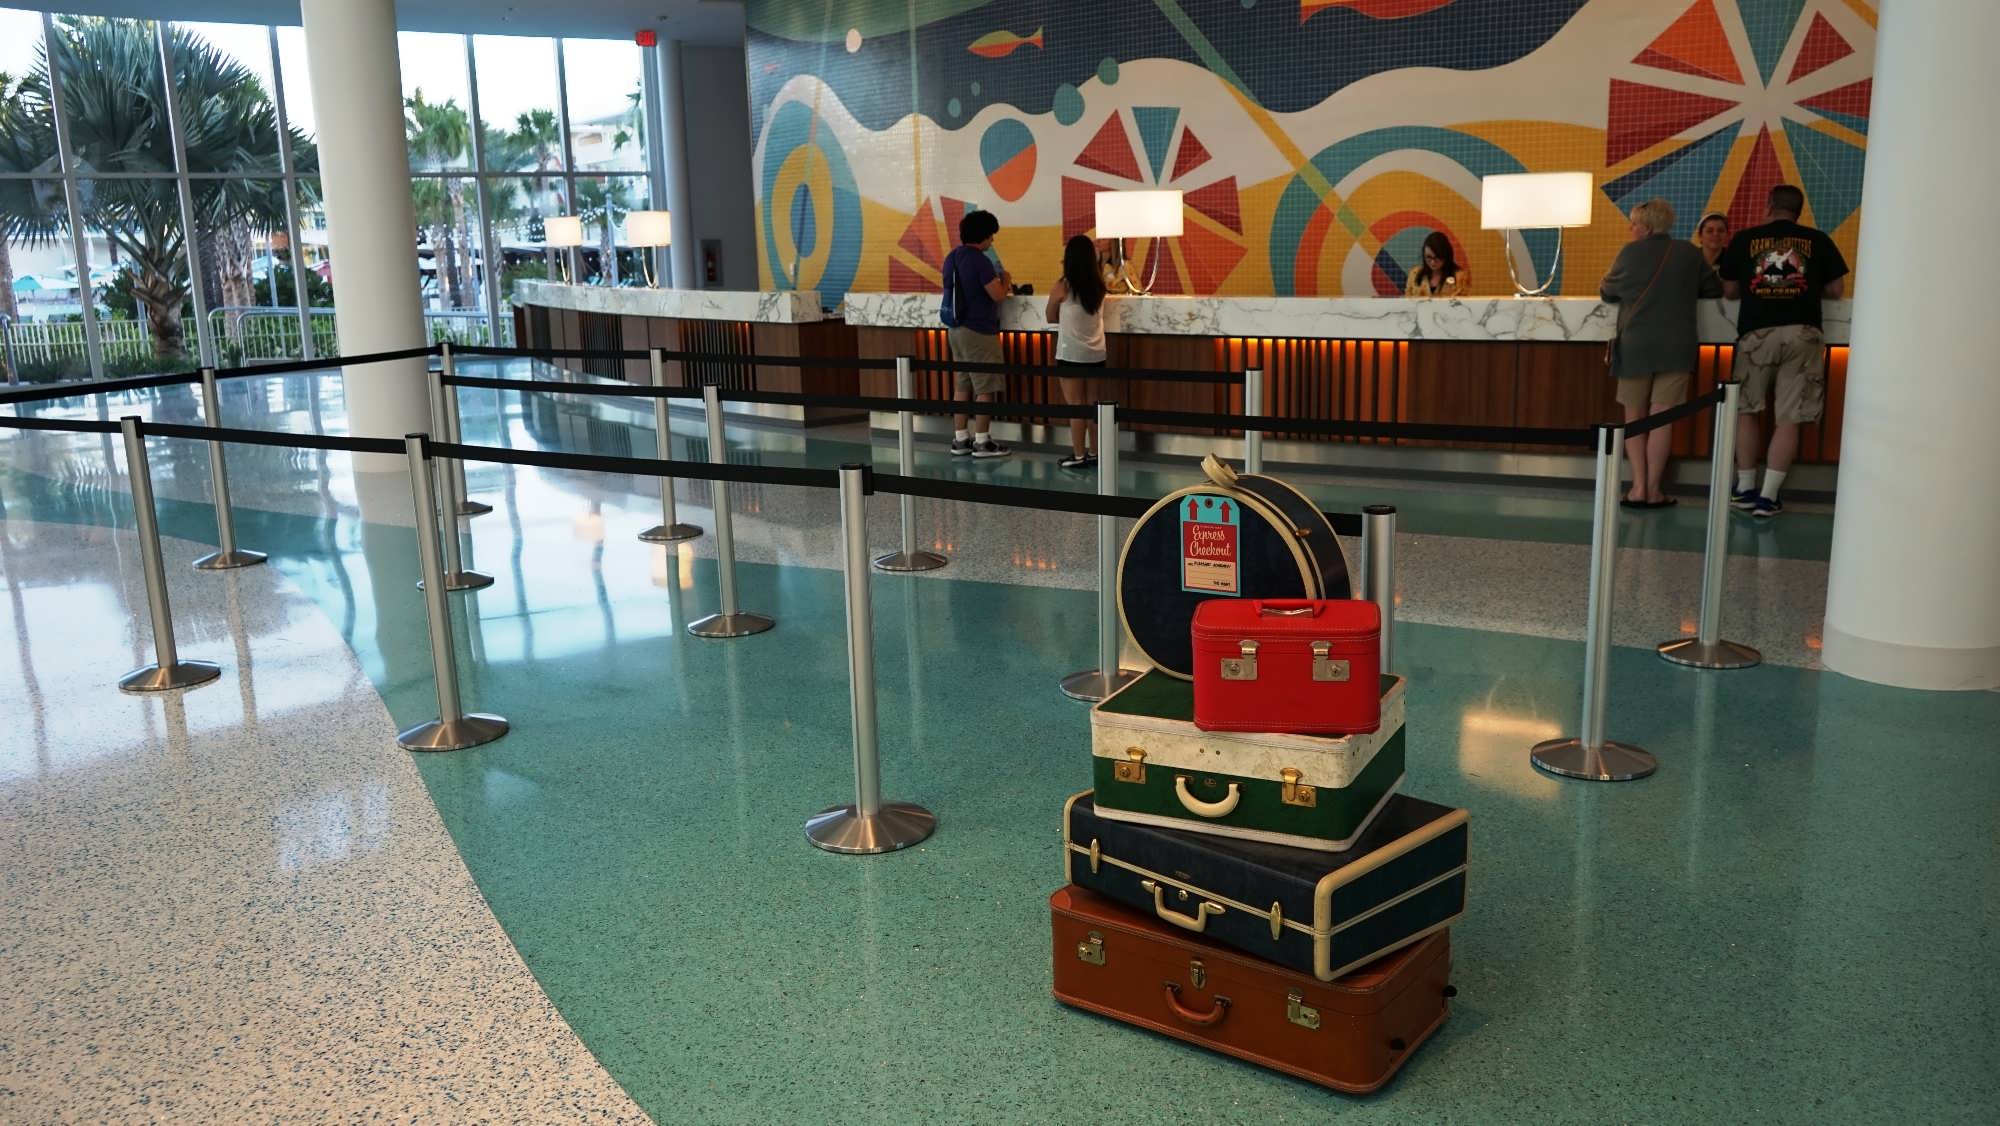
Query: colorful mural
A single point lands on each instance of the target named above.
(1317, 141)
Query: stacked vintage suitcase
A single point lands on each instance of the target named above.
(1246, 874)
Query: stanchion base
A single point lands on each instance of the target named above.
(154, 678)
(1612, 762)
(228, 560)
(463, 580)
(730, 625)
(1090, 687)
(910, 561)
(473, 508)
(1691, 652)
(845, 829)
(669, 533)
(453, 734)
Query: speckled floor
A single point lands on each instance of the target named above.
(1794, 921)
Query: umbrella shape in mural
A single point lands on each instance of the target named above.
(1166, 155)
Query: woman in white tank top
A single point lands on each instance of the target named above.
(1076, 308)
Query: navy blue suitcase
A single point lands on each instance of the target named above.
(1316, 912)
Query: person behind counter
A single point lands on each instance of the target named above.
(1076, 308)
(1655, 282)
(1712, 236)
(973, 289)
(1440, 275)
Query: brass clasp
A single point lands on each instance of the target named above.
(1295, 792)
(1091, 949)
(1133, 769)
(1300, 1013)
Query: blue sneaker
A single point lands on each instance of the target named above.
(1765, 508)
(1743, 499)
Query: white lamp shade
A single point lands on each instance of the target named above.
(1139, 214)
(563, 230)
(1530, 200)
(648, 228)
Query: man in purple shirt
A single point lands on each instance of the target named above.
(974, 286)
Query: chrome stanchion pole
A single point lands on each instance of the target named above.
(168, 671)
(728, 621)
(456, 576)
(908, 558)
(1253, 404)
(227, 555)
(1592, 756)
(1706, 649)
(1092, 685)
(453, 729)
(669, 529)
(1378, 570)
(870, 824)
(454, 468)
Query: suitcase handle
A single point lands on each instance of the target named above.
(1196, 922)
(1201, 808)
(1189, 1016)
(1287, 608)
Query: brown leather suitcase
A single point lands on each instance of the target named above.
(1350, 1034)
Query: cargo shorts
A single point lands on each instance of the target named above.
(975, 347)
(1784, 367)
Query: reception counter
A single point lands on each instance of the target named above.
(1480, 361)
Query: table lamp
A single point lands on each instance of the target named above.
(565, 233)
(649, 230)
(1527, 201)
(1149, 214)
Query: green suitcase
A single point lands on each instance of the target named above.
(1153, 766)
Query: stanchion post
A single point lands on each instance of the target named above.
(1706, 649)
(669, 529)
(455, 469)
(227, 556)
(907, 557)
(870, 825)
(453, 729)
(168, 671)
(1378, 570)
(1253, 405)
(729, 621)
(1094, 684)
(1591, 756)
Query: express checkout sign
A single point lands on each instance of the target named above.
(1209, 538)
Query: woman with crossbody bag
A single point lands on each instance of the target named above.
(1655, 283)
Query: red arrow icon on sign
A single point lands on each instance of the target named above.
(1225, 512)
(1192, 503)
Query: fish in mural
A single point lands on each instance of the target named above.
(1373, 9)
(1000, 44)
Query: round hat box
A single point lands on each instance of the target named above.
(1238, 536)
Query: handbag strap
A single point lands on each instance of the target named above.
(1632, 310)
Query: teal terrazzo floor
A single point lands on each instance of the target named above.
(1794, 921)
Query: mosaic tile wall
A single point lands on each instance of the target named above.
(1317, 141)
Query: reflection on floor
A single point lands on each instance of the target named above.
(1776, 927)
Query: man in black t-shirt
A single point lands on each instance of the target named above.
(1780, 271)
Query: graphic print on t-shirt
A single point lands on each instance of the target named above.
(1779, 267)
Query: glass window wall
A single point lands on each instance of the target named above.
(95, 273)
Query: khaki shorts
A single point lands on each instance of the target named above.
(975, 347)
(1788, 362)
(1665, 388)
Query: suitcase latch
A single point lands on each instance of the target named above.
(1295, 792)
(1092, 950)
(1244, 667)
(1324, 666)
(1300, 1013)
(1198, 973)
(1133, 769)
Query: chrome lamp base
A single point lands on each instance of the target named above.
(844, 828)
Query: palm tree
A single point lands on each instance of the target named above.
(440, 133)
(9, 92)
(114, 93)
(539, 133)
(604, 200)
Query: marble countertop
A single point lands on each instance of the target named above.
(1538, 319)
(784, 307)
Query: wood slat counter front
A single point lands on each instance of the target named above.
(1530, 362)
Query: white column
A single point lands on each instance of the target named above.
(1914, 595)
(365, 180)
(673, 146)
